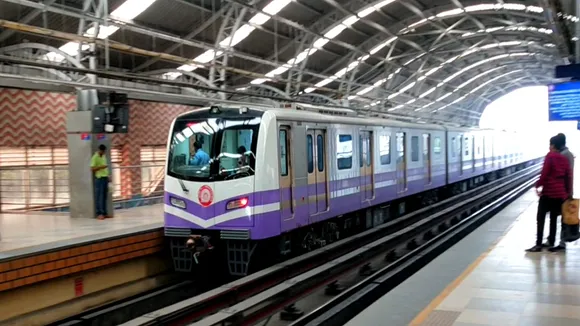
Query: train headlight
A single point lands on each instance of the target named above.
(238, 203)
(178, 202)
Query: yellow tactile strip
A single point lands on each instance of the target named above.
(44, 266)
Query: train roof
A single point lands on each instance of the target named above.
(301, 115)
(307, 116)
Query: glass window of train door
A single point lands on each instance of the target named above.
(283, 135)
(415, 148)
(309, 153)
(286, 173)
(400, 147)
(453, 146)
(460, 147)
(385, 149)
(370, 150)
(369, 163)
(427, 155)
(360, 150)
(320, 152)
(401, 161)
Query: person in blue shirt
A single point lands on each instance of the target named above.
(200, 157)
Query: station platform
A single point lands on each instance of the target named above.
(488, 279)
(40, 246)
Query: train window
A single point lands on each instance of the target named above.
(415, 148)
(385, 149)
(309, 154)
(426, 141)
(320, 152)
(344, 152)
(437, 145)
(283, 153)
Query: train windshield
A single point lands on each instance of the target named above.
(213, 149)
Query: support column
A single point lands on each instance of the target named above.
(82, 144)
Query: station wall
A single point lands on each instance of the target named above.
(35, 119)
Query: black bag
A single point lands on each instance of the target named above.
(570, 233)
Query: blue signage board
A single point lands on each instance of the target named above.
(564, 101)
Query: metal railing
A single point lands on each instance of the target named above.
(27, 188)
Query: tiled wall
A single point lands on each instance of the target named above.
(35, 118)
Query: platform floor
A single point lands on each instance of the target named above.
(23, 234)
(488, 279)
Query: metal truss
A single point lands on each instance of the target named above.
(433, 41)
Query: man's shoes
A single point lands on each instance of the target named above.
(534, 249)
(108, 216)
(557, 249)
(547, 245)
(100, 217)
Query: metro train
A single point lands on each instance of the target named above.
(285, 180)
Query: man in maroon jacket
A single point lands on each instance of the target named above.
(556, 183)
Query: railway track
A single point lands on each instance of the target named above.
(343, 264)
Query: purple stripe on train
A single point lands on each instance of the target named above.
(273, 196)
(270, 224)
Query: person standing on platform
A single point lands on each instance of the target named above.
(556, 183)
(566, 152)
(100, 168)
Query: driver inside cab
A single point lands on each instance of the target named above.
(199, 157)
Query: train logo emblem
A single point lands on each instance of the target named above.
(205, 196)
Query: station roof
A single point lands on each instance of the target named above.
(429, 59)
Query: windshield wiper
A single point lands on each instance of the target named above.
(183, 187)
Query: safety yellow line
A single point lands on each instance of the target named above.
(422, 316)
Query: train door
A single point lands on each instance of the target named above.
(401, 162)
(317, 185)
(366, 165)
(320, 171)
(286, 191)
(427, 158)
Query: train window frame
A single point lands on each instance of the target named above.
(320, 152)
(310, 153)
(348, 166)
(382, 148)
(283, 142)
(415, 149)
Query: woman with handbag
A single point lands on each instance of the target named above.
(556, 185)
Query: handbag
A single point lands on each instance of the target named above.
(570, 220)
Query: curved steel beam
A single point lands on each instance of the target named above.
(428, 14)
(44, 47)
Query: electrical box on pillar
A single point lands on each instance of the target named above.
(112, 113)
